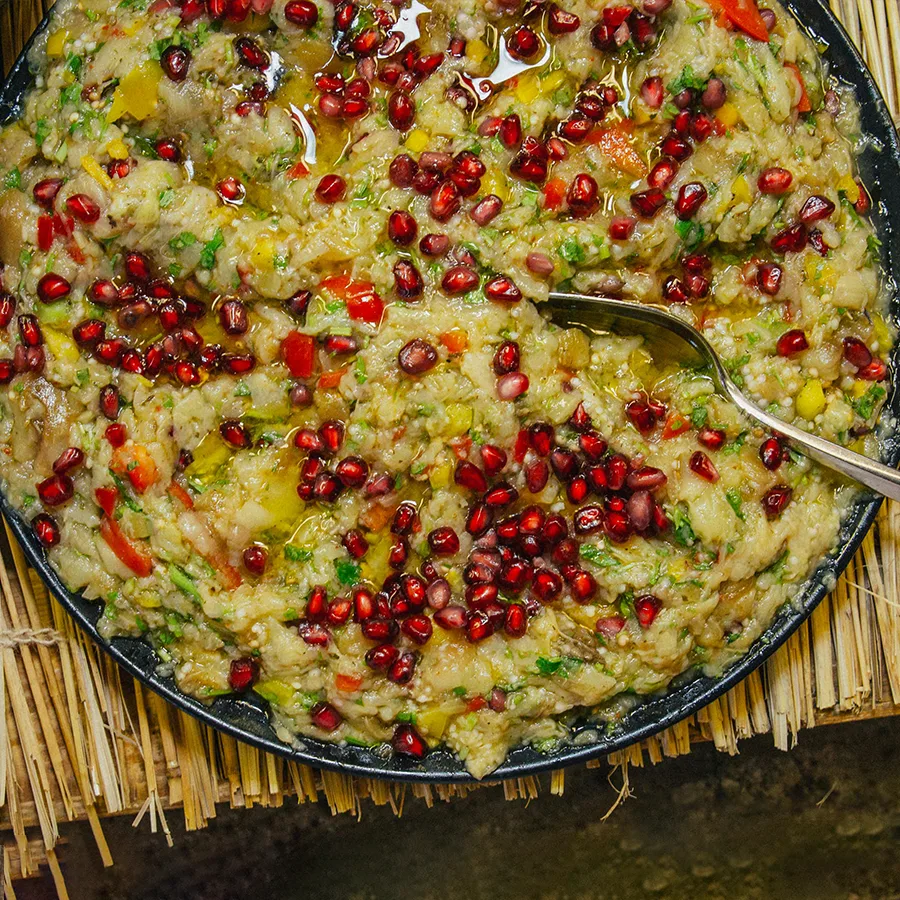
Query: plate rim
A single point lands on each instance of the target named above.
(247, 720)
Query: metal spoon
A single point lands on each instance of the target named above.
(581, 309)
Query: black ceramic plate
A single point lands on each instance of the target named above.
(247, 720)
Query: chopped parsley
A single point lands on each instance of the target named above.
(733, 496)
(208, 253)
(13, 180)
(564, 666)
(183, 240)
(297, 554)
(347, 571)
(166, 197)
(681, 526)
(866, 404)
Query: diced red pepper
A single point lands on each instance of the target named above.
(617, 146)
(298, 170)
(745, 15)
(455, 341)
(475, 704)
(521, 448)
(45, 232)
(803, 104)
(363, 303)
(676, 424)
(299, 352)
(180, 494)
(328, 380)
(347, 683)
(106, 498)
(138, 465)
(554, 193)
(126, 552)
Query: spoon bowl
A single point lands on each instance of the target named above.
(584, 310)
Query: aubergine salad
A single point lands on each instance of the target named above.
(280, 392)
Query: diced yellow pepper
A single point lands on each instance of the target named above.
(275, 692)
(553, 81)
(417, 140)
(439, 477)
(728, 115)
(528, 89)
(849, 188)
(263, 255)
(117, 149)
(741, 190)
(859, 388)
(459, 418)
(57, 42)
(134, 27)
(433, 722)
(495, 182)
(61, 345)
(881, 330)
(857, 446)
(95, 170)
(137, 93)
(148, 601)
(811, 399)
(477, 50)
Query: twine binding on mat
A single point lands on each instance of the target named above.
(78, 740)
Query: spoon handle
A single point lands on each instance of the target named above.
(875, 475)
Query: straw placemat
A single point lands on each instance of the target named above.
(80, 741)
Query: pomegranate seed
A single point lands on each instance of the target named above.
(30, 331)
(772, 453)
(478, 626)
(417, 357)
(417, 628)
(503, 289)
(662, 174)
(864, 203)
(588, 519)
(344, 15)
(675, 291)
(302, 13)
(168, 150)
(109, 401)
(406, 741)
(382, 658)
(791, 240)
(338, 611)
(380, 629)
(70, 458)
(646, 609)
(331, 189)
(332, 434)
(235, 434)
(487, 210)
(492, 458)
(682, 122)
(583, 196)
(547, 585)
(592, 445)
(502, 494)
(714, 96)
(478, 520)
(309, 440)
(701, 127)
(399, 553)
(648, 203)
(231, 190)
(856, 352)
(874, 371)
(468, 475)
(711, 438)
(445, 201)
(83, 208)
(45, 191)
(56, 490)
(243, 674)
(531, 162)
(511, 386)
(233, 317)
(7, 308)
(609, 626)
(652, 92)
(408, 280)
(459, 280)
(352, 471)
(402, 170)
(401, 111)
(434, 244)
(540, 264)
(315, 635)
(175, 62)
(768, 278)
(792, 342)
(255, 558)
(676, 147)
(323, 715)
(641, 415)
(355, 543)
(402, 228)
(646, 478)
(775, 500)
(46, 530)
(251, 54)
(405, 518)
(443, 541)
(340, 344)
(510, 131)
(690, 198)
(561, 22)
(576, 129)
(583, 586)
(774, 180)
(523, 43)
(52, 287)
(402, 671)
(116, 434)
(815, 209)
(700, 464)
(621, 228)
